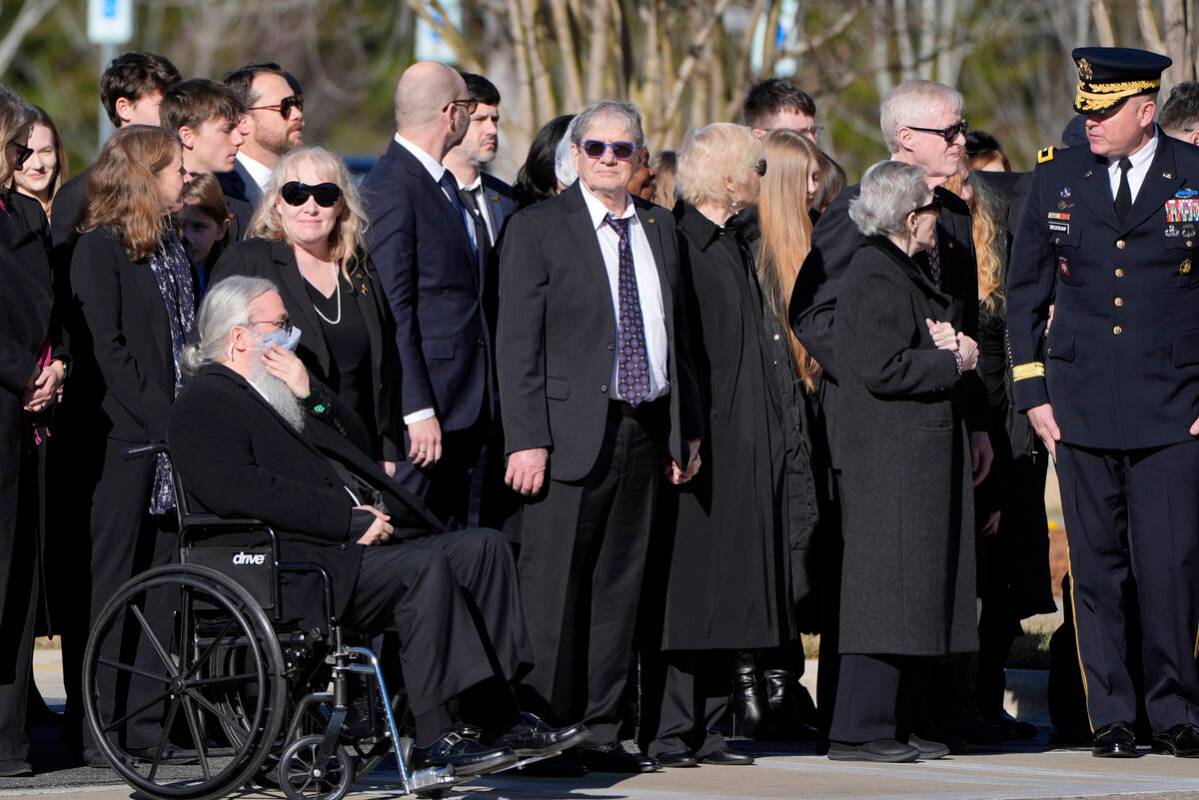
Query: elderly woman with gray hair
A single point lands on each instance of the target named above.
(908, 587)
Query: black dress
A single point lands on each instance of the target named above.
(349, 342)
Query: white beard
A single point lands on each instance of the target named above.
(275, 392)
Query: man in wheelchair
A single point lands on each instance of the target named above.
(252, 435)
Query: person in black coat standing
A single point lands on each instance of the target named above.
(133, 307)
(597, 392)
(25, 305)
(307, 239)
(907, 585)
(727, 570)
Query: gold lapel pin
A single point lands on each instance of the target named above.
(650, 220)
(1088, 173)
(495, 198)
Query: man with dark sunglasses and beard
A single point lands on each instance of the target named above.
(273, 125)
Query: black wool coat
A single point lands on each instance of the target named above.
(908, 580)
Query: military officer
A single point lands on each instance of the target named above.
(1108, 237)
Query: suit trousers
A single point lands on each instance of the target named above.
(582, 558)
(453, 602)
(1132, 528)
(868, 698)
(18, 602)
(691, 691)
(458, 487)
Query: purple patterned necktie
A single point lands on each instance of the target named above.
(632, 370)
(934, 264)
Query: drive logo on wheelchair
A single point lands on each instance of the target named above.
(244, 558)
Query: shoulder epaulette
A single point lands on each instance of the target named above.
(1044, 155)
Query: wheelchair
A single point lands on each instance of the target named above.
(255, 698)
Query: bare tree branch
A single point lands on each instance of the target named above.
(31, 13)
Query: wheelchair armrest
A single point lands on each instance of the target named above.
(326, 580)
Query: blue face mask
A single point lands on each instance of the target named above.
(287, 340)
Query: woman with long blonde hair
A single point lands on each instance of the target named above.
(307, 237)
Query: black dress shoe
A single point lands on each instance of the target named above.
(532, 737)
(1114, 741)
(564, 765)
(682, 758)
(15, 769)
(727, 758)
(887, 751)
(1017, 728)
(614, 758)
(467, 756)
(929, 750)
(1182, 740)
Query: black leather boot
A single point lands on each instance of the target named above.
(748, 704)
(786, 698)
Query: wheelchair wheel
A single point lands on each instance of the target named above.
(304, 775)
(149, 701)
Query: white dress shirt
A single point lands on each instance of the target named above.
(479, 194)
(258, 172)
(649, 289)
(1141, 160)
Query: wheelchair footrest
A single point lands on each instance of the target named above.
(433, 778)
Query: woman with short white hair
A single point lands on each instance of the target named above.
(908, 585)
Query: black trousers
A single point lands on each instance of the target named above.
(1132, 526)
(880, 697)
(459, 488)
(126, 540)
(691, 692)
(18, 596)
(453, 602)
(582, 558)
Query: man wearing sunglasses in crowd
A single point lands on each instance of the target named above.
(273, 125)
(425, 246)
(921, 124)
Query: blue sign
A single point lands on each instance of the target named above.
(110, 21)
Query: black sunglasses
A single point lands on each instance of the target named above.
(470, 105)
(948, 134)
(760, 168)
(594, 148)
(295, 193)
(284, 106)
(23, 153)
(932, 205)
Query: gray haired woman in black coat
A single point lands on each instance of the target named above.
(908, 584)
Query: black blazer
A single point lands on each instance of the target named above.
(121, 340)
(238, 458)
(422, 252)
(557, 333)
(25, 307)
(276, 261)
(500, 203)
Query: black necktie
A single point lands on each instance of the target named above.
(1124, 193)
(450, 187)
(482, 241)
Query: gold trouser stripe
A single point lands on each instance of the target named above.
(1033, 369)
(1082, 669)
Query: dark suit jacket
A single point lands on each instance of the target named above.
(121, 341)
(238, 458)
(276, 261)
(500, 203)
(557, 333)
(238, 184)
(29, 212)
(835, 240)
(66, 208)
(423, 254)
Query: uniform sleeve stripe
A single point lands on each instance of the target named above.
(1033, 369)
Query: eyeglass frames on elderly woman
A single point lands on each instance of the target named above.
(295, 193)
(23, 153)
(948, 134)
(932, 205)
(284, 106)
(594, 148)
(760, 167)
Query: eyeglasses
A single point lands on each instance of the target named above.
(594, 148)
(280, 324)
(284, 106)
(295, 193)
(760, 168)
(470, 105)
(932, 205)
(948, 134)
(23, 153)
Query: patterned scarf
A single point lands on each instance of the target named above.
(172, 272)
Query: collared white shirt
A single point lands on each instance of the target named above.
(649, 289)
(480, 196)
(258, 172)
(1141, 160)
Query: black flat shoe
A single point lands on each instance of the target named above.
(887, 751)
(565, 765)
(1182, 740)
(1018, 728)
(681, 759)
(614, 758)
(929, 750)
(15, 769)
(532, 737)
(1114, 741)
(727, 758)
(466, 756)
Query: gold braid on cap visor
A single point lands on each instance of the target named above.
(1096, 96)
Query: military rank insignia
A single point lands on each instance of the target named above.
(1183, 207)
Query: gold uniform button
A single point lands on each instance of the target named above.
(1119, 244)
(1119, 301)
(1117, 330)
(1119, 272)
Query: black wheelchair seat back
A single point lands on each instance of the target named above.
(244, 557)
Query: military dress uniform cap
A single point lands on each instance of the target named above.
(1107, 76)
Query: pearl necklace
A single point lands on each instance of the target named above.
(336, 291)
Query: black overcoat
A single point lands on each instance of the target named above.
(908, 580)
(729, 567)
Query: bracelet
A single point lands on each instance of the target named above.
(957, 359)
